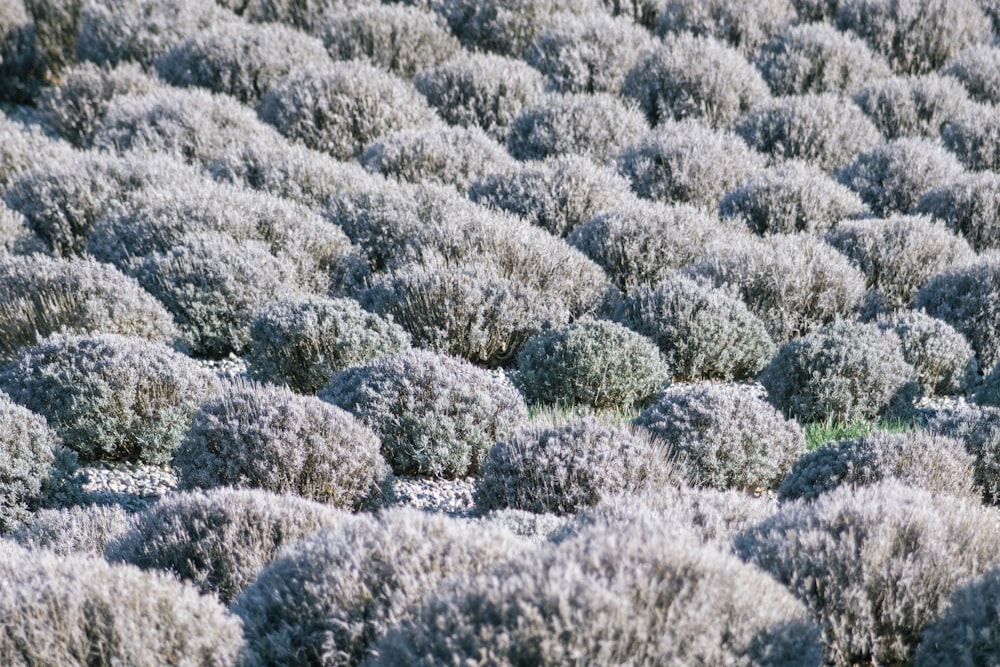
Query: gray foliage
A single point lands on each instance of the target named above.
(970, 205)
(978, 68)
(913, 106)
(24, 146)
(975, 139)
(942, 357)
(28, 449)
(82, 529)
(965, 633)
(744, 24)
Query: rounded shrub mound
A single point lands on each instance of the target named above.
(899, 254)
(504, 27)
(874, 565)
(966, 632)
(85, 529)
(590, 362)
(239, 59)
(792, 197)
(302, 340)
(688, 162)
(111, 397)
(341, 108)
(794, 283)
(563, 466)
(744, 24)
(558, 195)
(652, 595)
(58, 608)
(219, 540)
(480, 89)
(988, 392)
(975, 139)
(469, 310)
(978, 427)
(942, 357)
(916, 36)
(402, 39)
(970, 205)
(690, 76)
(213, 285)
(596, 125)
(22, 63)
(29, 449)
(436, 415)
(703, 332)
(968, 298)
(327, 598)
(913, 106)
(845, 371)
(726, 437)
(15, 235)
(587, 54)
(892, 177)
(23, 147)
(818, 58)
(41, 295)
(919, 459)
(258, 436)
(819, 128)
(439, 154)
(642, 242)
(306, 15)
(978, 68)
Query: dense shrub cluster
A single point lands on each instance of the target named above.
(22, 66)
(29, 449)
(818, 58)
(15, 235)
(978, 427)
(559, 194)
(587, 54)
(893, 176)
(965, 633)
(62, 609)
(563, 466)
(598, 363)
(913, 106)
(922, 460)
(970, 206)
(303, 340)
(794, 283)
(480, 89)
(111, 397)
(23, 146)
(83, 529)
(845, 371)
(306, 15)
(399, 38)
(690, 76)
(792, 197)
(819, 128)
(40, 296)
(602, 598)
(686, 161)
(978, 68)
(943, 359)
(899, 254)
(975, 139)
(744, 24)
(221, 539)
(703, 332)
(435, 414)
(505, 27)
(597, 126)
(341, 108)
(726, 437)
(326, 599)
(874, 565)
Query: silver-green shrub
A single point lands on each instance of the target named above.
(28, 450)
(823, 129)
(978, 68)
(845, 371)
(942, 357)
(505, 27)
(563, 466)
(688, 162)
(22, 64)
(16, 237)
(587, 54)
(794, 283)
(793, 196)
(725, 436)
(57, 26)
(743, 24)
(596, 125)
(82, 529)
(818, 58)
(399, 38)
(219, 540)
(590, 362)
(913, 106)
(689, 76)
(978, 427)
(874, 565)
(435, 415)
(899, 254)
(558, 195)
(480, 89)
(893, 176)
(970, 205)
(703, 332)
(111, 397)
(259, 436)
(652, 594)
(327, 598)
(41, 295)
(78, 609)
(24, 146)
(988, 392)
(966, 632)
(923, 460)
(306, 15)
(302, 340)
(975, 139)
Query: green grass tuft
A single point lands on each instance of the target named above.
(823, 431)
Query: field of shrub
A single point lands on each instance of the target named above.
(701, 297)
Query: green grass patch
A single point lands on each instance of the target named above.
(820, 432)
